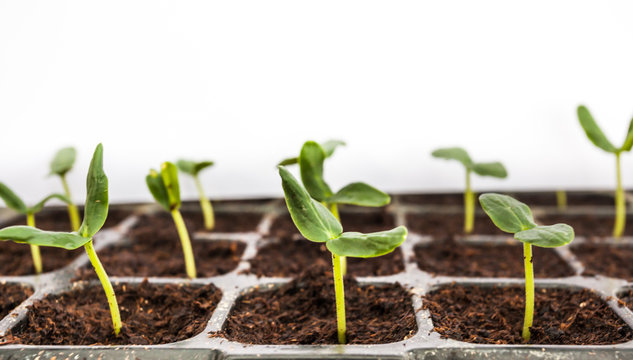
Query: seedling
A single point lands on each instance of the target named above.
(599, 139)
(15, 203)
(165, 189)
(96, 212)
(193, 168)
(317, 224)
(62, 163)
(494, 169)
(561, 200)
(513, 216)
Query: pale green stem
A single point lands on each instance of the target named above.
(339, 293)
(561, 200)
(469, 206)
(190, 263)
(620, 204)
(107, 287)
(205, 204)
(334, 211)
(529, 291)
(73, 212)
(35, 250)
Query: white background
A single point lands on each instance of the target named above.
(246, 82)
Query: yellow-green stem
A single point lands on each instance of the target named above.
(190, 263)
(469, 206)
(620, 203)
(205, 204)
(334, 211)
(561, 200)
(73, 212)
(529, 291)
(35, 250)
(107, 287)
(339, 293)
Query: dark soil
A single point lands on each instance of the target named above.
(260, 201)
(442, 226)
(451, 258)
(303, 312)
(489, 315)
(588, 225)
(287, 258)
(224, 222)
(365, 222)
(626, 297)
(433, 199)
(57, 219)
(603, 259)
(573, 198)
(12, 295)
(151, 314)
(16, 260)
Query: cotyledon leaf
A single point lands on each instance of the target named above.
(508, 214)
(33, 236)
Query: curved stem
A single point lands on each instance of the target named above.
(107, 287)
(561, 200)
(529, 291)
(205, 204)
(73, 213)
(620, 204)
(334, 211)
(339, 293)
(469, 206)
(190, 263)
(35, 250)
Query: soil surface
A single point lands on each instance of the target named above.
(16, 260)
(593, 255)
(57, 219)
(530, 198)
(224, 222)
(443, 226)
(489, 315)
(12, 295)
(286, 258)
(303, 312)
(452, 258)
(155, 250)
(433, 199)
(365, 222)
(588, 225)
(626, 297)
(151, 314)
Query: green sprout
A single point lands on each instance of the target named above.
(513, 216)
(62, 163)
(193, 168)
(599, 139)
(15, 203)
(310, 160)
(165, 189)
(561, 200)
(96, 212)
(317, 224)
(494, 169)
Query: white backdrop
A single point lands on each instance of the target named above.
(246, 82)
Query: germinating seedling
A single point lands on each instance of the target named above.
(317, 224)
(513, 216)
(96, 212)
(15, 203)
(193, 168)
(494, 169)
(62, 163)
(165, 189)
(599, 139)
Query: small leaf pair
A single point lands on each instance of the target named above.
(61, 164)
(193, 168)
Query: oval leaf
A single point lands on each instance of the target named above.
(331, 145)
(63, 161)
(157, 188)
(547, 236)
(314, 221)
(33, 236)
(96, 209)
(495, 169)
(38, 207)
(12, 200)
(193, 168)
(594, 133)
(169, 174)
(508, 214)
(454, 153)
(360, 194)
(628, 142)
(356, 244)
(311, 166)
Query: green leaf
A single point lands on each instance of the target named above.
(96, 207)
(288, 161)
(191, 167)
(311, 166)
(628, 142)
(355, 244)
(38, 207)
(331, 145)
(63, 161)
(360, 194)
(169, 174)
(454, 153)
(12, 200)
(547, 236)
(495, 169)
(33, 236)
(314, 221)
(594, 133)
(508, 214)
(157, 188)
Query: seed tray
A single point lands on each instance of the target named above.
(424, 344)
